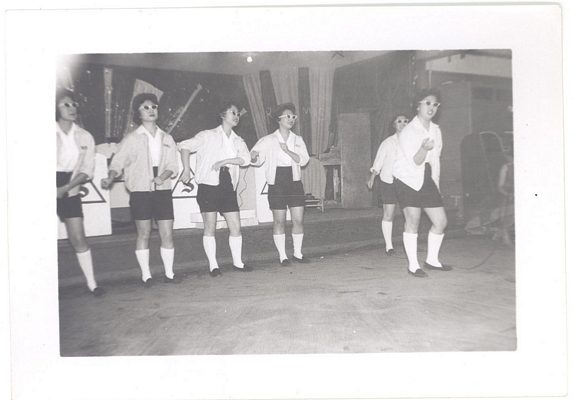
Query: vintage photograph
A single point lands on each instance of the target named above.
(273, 202)
(285, 202)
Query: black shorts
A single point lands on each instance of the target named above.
(67, 207)
(426, 197)
(388, 193)
(221, 198)
(156, 205)
(285, 192)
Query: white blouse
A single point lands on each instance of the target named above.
(68, 151)
(410, 138)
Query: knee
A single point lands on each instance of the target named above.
(144, 234)
(441, 224)
(412, 225)
(167, 240)
(387, 216)
(79, 244)
(235, 230)
(298, 223)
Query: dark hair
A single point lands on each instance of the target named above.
(392, 122)
(137, 102)
(278, 111)
(422, 94)
(225, 106)
(60, 94)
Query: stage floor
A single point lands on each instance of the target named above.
(352, 299)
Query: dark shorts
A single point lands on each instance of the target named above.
(221, 198)
(388, 193)
(285, 192)
(426, 197)
(152, 205)
(67, 207)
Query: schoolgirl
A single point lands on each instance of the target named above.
(283, 153)
(220, 153)
(147, 157)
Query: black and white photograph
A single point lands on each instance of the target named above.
(348, 280)
(287, 202)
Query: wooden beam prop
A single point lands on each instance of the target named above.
(181, 114)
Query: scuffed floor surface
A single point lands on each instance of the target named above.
(356, 302)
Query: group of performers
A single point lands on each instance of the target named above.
(147, 160)
(407, 163)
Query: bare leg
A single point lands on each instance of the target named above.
(412, 217)
(165, 227)
(235, 238)
(279, 232)
(210, 219)
(435, 238)
(297, 231)
(77, 237)
(387, 226)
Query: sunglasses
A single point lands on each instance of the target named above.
(146, 107)
(402, 121)
(70, 105)
(429, 103)
(289, 116)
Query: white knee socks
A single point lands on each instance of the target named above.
(410, 244)
(210, 250)
(297, 243)
(143, 257)
(168, 260)
(236, 249)
(433, 245)
(280, 242)
(386, 228)
(85, 261)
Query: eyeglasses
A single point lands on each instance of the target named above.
(70, 105)
(289, 116)
(153, 107)
(235, 113)
(402, 121)
(429, 103)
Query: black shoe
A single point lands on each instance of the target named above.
(285, 263)
(98, 291)
(419, 273)
(390, 252)
(215, 272)
(302, 260)
(442, 268)
(148, 283)
(245, 268)
(175, 279)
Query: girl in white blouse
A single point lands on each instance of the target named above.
(284, 153)
(383, 166)
(148, 158)
(417, 170)
(220, 153)
(75, 166)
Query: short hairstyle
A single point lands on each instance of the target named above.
(278, 111)
(225, 106)
(138, 100)
(422, 94)
(392, 122)
(60, 94)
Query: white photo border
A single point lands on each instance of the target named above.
(34, 40)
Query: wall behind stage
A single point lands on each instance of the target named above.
(177, 87)
(381, 87)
